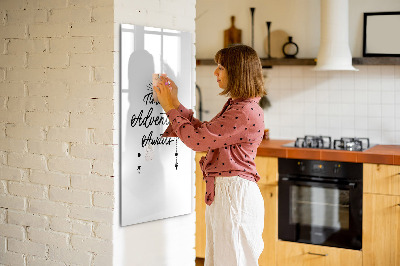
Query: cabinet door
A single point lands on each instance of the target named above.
(381, 179)
(267, 168)
(297, 254)
(381, 230)
(270, 233)
(200, 209)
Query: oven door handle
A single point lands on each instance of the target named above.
(297, 181)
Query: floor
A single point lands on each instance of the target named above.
(199, 262)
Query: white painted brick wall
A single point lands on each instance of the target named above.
(56, 125)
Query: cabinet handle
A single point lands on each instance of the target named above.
(398, 204)
(318, 254)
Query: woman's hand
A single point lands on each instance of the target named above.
(174, 93)
(164, 94)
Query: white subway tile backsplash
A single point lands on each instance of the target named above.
(348, 122)
(310, 109)
(347, 79)
(374, 97)
(374, 123)
(284, 72)
(322, 95)
(348, 96)
(397, 72)
(334, 81)
(360, 80)
(285, 132)
(387, 72)
(374, 84)
(373, 70)
(335, 95)
(375, 136)
(397, 110)
(297, 83)
(297, 97)
(360, 133)
(322, 83)
(347, 110)
(297, 72)
(322, 109)
(322, 121)
(286, 120)
(284, 83)
(335, 122)
(374, 111)
(388, 124)
(361, 123)
(308, 72)
(360, 97)
(388, 97)
(348, 133)
(365, 103)
(361, 110)
(389, 136)
(388, 84)
(388, 110)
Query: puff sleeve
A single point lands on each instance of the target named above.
(224, 130)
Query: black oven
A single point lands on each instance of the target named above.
(320, 202)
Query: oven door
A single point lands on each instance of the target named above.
(321, 212)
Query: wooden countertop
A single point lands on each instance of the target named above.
(379, 154)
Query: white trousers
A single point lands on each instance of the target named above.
(234, 223)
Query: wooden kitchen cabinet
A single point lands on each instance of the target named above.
(200, 209)
(381, 179)
(267, 167)
(381, 230)
(298, 254)
(270, 233)
(381, 215)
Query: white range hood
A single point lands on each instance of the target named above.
(334, 51)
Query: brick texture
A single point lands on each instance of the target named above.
(56, 121)
(58, 69)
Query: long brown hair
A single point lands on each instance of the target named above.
(245, 78)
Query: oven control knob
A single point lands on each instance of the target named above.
(302, 167)
(336, 169)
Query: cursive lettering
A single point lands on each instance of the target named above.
(157, 141)
(148, 120)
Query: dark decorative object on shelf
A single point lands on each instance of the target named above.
(264, 103)
(290, 49)
(269, 38)
(252, 9)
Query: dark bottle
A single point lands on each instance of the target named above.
(290, 49)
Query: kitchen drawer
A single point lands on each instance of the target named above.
(298, 254)
(267, 168)
(381, 179)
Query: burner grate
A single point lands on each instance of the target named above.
(351, 144)
(321, 142)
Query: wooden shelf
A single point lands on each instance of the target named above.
(312, 61)
(376, 61)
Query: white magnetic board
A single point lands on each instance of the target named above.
(155, 172)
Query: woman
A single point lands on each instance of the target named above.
(235, 207)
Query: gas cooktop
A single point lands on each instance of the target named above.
(325, 142)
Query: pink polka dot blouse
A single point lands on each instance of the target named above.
(231, 139)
